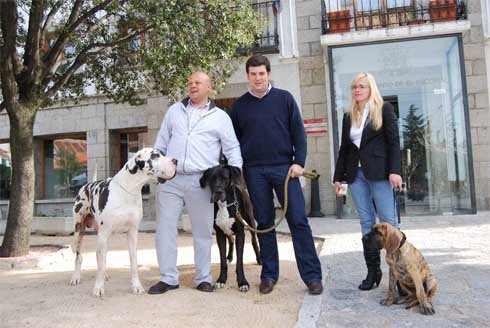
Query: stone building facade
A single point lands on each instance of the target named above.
(434, 69)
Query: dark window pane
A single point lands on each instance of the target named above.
(5, 170)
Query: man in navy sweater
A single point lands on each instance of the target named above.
(272, 138)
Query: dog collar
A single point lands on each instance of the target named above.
(402, 242)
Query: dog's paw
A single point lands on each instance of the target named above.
(427, 309)
(244, 288)
(219, 284)
(98, 291)
(75, 279)
(138, 289)
(387, 301)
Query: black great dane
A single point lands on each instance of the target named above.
(228, 195)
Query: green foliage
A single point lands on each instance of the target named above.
(179, 36)
(414, 131)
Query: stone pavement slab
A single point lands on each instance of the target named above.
(457, 249)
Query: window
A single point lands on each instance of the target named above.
(398, 3)
(225, 103)
(382, 13)
(127, 143)
(5, 170)
(68, 52)
(135, 44)
(64, 168)
(130, 143)
(267, 41)
(369, 5)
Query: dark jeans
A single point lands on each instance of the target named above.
(261, 181)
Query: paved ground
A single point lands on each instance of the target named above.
(42, 297)
(457, 249)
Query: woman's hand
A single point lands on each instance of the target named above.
(396, 181)
(337, 187)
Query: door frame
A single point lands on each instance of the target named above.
(469, 144)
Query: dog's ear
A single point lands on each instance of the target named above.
(135, 163)
(392, 238)
(235, 174)
(140, 163)
(204, 179)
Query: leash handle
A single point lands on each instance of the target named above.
(308, 175)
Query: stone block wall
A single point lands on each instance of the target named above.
(314, 98)
(476, 63)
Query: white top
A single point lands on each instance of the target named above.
(196, 113)
(265, 94)
(199, 148)
(356, 133)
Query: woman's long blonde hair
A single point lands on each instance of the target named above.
(375, 103)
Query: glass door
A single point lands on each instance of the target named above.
(423, 79)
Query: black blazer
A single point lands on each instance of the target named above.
(379, 152)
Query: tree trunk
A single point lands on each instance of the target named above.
(21, 204)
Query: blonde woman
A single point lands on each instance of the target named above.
(369, 161)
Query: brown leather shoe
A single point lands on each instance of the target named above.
(315, 287)
(266, 286)
(161, 287)
(205, 287)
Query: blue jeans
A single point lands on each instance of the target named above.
(261, 181)
(363, 192)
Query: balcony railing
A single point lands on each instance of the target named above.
(352, 15)
(268, 39)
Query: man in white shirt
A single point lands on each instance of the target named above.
(194, 131)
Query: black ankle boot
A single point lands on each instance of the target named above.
(371, 256)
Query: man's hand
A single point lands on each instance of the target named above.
(296, 170)
(396, 181)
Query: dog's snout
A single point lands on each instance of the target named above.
(174, 161)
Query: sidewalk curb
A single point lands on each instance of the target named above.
(39, 261)
(311, 306)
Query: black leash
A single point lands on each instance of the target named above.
(402, 242)
(396, 204)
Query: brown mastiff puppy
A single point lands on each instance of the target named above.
(407, 266)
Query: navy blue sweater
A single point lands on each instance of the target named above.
(270, 129)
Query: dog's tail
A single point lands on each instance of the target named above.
(79, 231)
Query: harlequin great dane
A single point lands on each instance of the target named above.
(116, 206)
(228, 195)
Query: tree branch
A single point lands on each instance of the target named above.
(87, 53)
(48, 20)
(58, 46)
(79, 62)
(101, 46)
(31, 54)
(74, 12)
